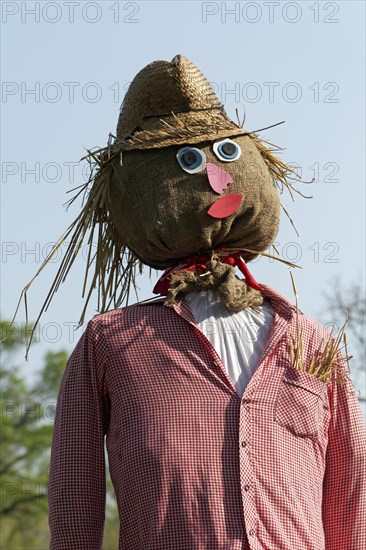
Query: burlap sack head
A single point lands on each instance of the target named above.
(161, 211)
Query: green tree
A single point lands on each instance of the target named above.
(27, 415)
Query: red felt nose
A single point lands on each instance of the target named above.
(218, 179)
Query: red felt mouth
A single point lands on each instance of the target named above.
(225, 206)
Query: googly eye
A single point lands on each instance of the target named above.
(192, 160)
(226, 150)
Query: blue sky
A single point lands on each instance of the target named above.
(65, 69)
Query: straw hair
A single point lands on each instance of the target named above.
(325, 362)
(111, 270)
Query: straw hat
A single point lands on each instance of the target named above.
(168, 103)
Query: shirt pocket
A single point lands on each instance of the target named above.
(301, 406)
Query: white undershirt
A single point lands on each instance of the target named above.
(238, 338)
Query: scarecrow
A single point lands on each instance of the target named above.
(229, 417)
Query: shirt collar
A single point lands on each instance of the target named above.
(280, 303)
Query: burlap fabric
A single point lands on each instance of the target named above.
(235, 293)
(161, 211)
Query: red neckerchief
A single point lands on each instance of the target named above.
(198, 263)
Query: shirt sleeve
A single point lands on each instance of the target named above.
(76, 489)
(344, 491)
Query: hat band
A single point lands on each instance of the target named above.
(221, 107)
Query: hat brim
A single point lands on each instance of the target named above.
(176, 129)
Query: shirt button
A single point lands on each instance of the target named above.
(246, 487)
(251, 532)
(243, 443)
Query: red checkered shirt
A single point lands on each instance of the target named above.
(194, 466)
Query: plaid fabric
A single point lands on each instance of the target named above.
(194, 466)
